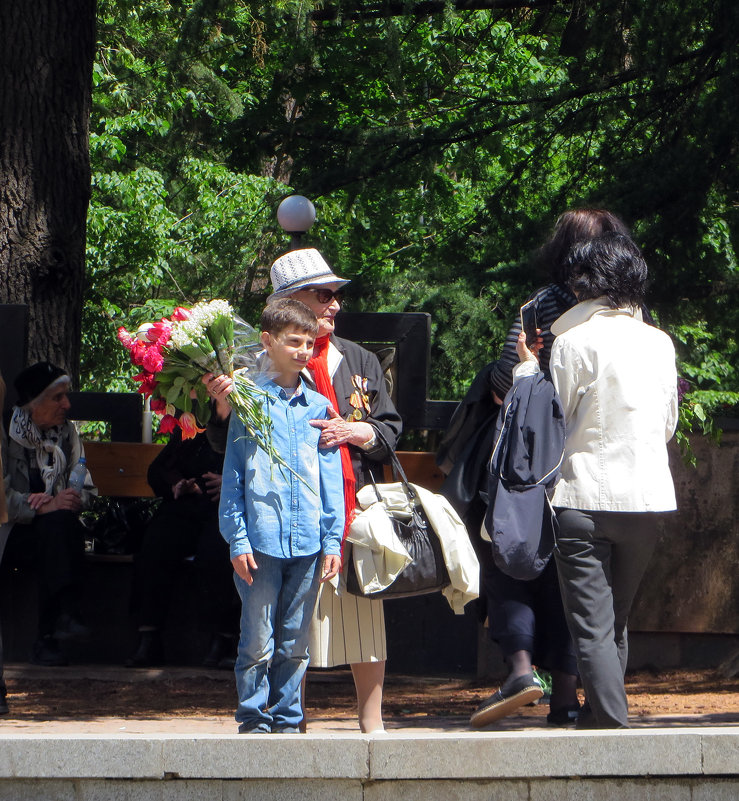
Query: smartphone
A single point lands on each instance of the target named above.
(529, 323)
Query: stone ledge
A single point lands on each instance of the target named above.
(353, 757)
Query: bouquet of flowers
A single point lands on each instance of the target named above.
(176, 352)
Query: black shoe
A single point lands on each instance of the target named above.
(222, 648)
(514, 693)
(564, 716)
(150, 651)
(46, 652)
(71, 628)
(4, 709)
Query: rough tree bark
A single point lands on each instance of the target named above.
(46, 55)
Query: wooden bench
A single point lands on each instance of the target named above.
(119, 468)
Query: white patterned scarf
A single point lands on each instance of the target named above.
(26, 433)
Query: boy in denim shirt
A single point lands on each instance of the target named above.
(284, 536)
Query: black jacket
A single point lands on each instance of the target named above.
(528, 451)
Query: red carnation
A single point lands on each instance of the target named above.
(180, 313)
(167, 424)
(138, 351)
(153, 360)
(148, 383)
(158, 405)
(159, 331)
(125, 338)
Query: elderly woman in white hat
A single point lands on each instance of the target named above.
(345, 629)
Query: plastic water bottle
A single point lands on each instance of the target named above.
(78, 475)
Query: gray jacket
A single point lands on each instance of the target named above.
(16, 477)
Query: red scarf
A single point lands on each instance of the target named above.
(319, 365)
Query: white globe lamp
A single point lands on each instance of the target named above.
(296, 214)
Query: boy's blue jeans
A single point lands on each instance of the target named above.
(276, 611)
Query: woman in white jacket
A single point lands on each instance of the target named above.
(617, 381)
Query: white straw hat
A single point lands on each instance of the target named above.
(298, 269)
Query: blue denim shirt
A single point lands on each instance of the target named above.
(266, 509)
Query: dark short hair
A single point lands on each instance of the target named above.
(283, 313)
(610, 265)
(575, 225)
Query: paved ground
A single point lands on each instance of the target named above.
(110, 700)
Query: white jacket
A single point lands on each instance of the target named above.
(379, 555)
(617, 381)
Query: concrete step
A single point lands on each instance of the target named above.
(678, 764)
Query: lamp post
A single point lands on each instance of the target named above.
(296, 214)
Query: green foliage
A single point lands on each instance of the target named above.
(708, 365)
(439, 150)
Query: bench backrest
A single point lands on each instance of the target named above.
(119, 468)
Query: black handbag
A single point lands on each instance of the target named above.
(427, 572)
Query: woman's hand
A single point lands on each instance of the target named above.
(38, 499)
(526, 354)
(219, 388)
(67, 500)
(337, 431)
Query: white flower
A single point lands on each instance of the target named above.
(186, 332)
(206, 314)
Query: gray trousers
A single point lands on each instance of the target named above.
(601, 559)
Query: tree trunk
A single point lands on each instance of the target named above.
(46, 55)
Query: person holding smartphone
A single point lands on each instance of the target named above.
(617, 382)
(526, 618)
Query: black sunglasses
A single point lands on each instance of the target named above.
(324, 295)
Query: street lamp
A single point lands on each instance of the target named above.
(296, 214)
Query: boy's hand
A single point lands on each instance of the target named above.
(244, 565)
(331, 566)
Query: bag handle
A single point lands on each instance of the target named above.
(418, 520)
(396, 466)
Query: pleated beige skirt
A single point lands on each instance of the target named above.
(346, 629)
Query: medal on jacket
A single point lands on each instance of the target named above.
(359, 400)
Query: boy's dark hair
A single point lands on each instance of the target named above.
(284, 313)
(610, 265)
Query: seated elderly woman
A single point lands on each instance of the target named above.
(617, 381)
(3, 519)
(43, 527)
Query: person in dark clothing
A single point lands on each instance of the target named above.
(616, 380)
(43, 529)
(554, 299)
(186, 475)
(526, 618)
(3, 519)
